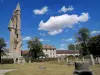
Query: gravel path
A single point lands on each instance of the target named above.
(3, 71)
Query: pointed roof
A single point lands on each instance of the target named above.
(18, 7)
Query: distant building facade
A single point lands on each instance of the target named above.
(60, 53)
(51, 52)
(48, 50)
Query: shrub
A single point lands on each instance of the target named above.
(7, 61)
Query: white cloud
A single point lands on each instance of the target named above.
(64, 9)
(27, 38)
(62, 45)
(56, 24)
(69, 39)
(41, 11)
(62, 48)
(42, 40)
(55, 32)
(95, 32)
(42, 34)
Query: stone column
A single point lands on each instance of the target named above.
(58, 60)
(99, 60)
(83, 58)
(92, 59)
(67, 59)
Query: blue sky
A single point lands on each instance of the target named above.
(55, 22)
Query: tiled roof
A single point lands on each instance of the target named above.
(24, 51)
(58, 52)
(67, 51)
(48, 47)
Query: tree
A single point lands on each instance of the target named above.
(2, 46)
(82, 38)
(77, 46)
(71, 47)
(35, 48)
(94, 45)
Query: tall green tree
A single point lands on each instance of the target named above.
(2, 46)
(77, 46)
(82, 37)
(35, 48)
(94, 45)
(71, 47)
(74, 47)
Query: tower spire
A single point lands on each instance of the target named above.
(18, 7)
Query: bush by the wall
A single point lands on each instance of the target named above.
(7, 61)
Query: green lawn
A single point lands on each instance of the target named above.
(53, 68)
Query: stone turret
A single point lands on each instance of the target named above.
(18, 7)
(15, 34)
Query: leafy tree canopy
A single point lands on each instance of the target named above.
(94, 45)
(74, 47)
(35, 48)
(2, 46)
(71, 47)
(82, 37)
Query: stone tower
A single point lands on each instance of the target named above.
(15, 34)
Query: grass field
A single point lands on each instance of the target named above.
(53, 68)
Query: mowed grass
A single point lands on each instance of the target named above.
(53, 68)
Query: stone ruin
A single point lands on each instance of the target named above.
(15, 35)
(14, 27)
(82, 68)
